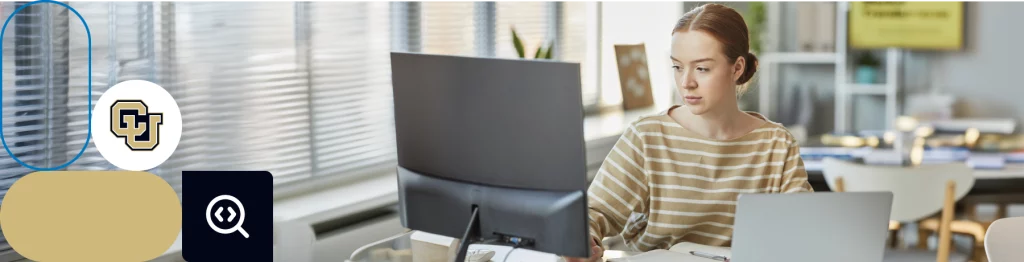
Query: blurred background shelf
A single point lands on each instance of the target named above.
(799, 57)
(867, 89)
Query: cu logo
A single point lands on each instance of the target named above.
(131, 120)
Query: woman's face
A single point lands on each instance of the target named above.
(705, 78)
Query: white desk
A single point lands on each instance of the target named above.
(525, 255)
(402, 243)
(1011, 171)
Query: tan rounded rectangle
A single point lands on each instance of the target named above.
(91, 216)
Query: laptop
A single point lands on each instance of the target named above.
(811, 227)
(796, 228)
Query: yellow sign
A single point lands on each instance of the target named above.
(915, 25)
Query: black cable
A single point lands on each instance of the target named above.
(509, 254)
(518, 243)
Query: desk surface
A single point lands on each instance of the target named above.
(400, 247)
(1011, 171)
(526, 255)
(1009, 180)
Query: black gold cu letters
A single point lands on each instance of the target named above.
(131, 119)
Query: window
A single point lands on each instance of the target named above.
(447, 28)
(531, 21)
(621, 25)
(33, 81)
(578, 42)
(300, 89)
(350, 74)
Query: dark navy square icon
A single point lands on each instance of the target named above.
(227, 216)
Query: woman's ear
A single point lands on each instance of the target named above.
(737, 68)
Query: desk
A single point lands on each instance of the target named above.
(398, 249)
(1009, 180)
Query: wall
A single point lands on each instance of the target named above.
(982, 75)
(985, 75)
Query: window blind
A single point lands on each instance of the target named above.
(621, 25)
(117, 55)
(350, 77)
(35, 86)
(243, 96)
(447, 28)
(531, 22)
(34, 77)
(577, 43)
(299, 89)
(254, 94)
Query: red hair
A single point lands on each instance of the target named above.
(727, 26)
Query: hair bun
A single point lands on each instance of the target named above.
(749, 69)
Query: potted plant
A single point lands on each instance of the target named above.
(755, 21)
(541, 53)
(867, 67)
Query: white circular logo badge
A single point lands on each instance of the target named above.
(136, 125)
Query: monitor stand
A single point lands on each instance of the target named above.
(472, 232)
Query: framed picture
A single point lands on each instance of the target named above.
(634, 77)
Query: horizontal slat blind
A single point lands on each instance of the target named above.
(35, 88)
(578, 18)
(350, 74)
(243, 96)
(621, 25)
(530, 20)
(35, 69)
(447, 28)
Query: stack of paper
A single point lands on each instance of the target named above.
(945, 155)
(984, 125)
(1015, 157)
(816, 153)
(986, 161)
(677, 253)
(883, 157)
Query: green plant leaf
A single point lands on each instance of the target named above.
(518, 44)
(540, 53)
(549, 54)
(755, 21)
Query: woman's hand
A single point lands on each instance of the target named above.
(596, 252)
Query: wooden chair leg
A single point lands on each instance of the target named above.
(945, 233)
(971, 211)
(978, 254)
(1001, 212)
(840, 185)
(894, 238)
(922, 238)
(894, 233)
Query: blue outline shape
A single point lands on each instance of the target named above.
(89, 134)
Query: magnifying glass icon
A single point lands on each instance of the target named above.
(230, 218)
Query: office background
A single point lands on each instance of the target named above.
(303, 89)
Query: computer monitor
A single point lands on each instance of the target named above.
(492, 150)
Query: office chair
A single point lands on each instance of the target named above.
(918, 192)
(1003, 240)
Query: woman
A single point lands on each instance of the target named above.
(675, 177)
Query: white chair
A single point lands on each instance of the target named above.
(293, 241)
(918, 192)
(1003, 240)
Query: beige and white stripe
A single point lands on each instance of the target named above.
(662, 184)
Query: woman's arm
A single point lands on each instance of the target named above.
(619, 188)
(794, 176)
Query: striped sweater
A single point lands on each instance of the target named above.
(663, 184)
